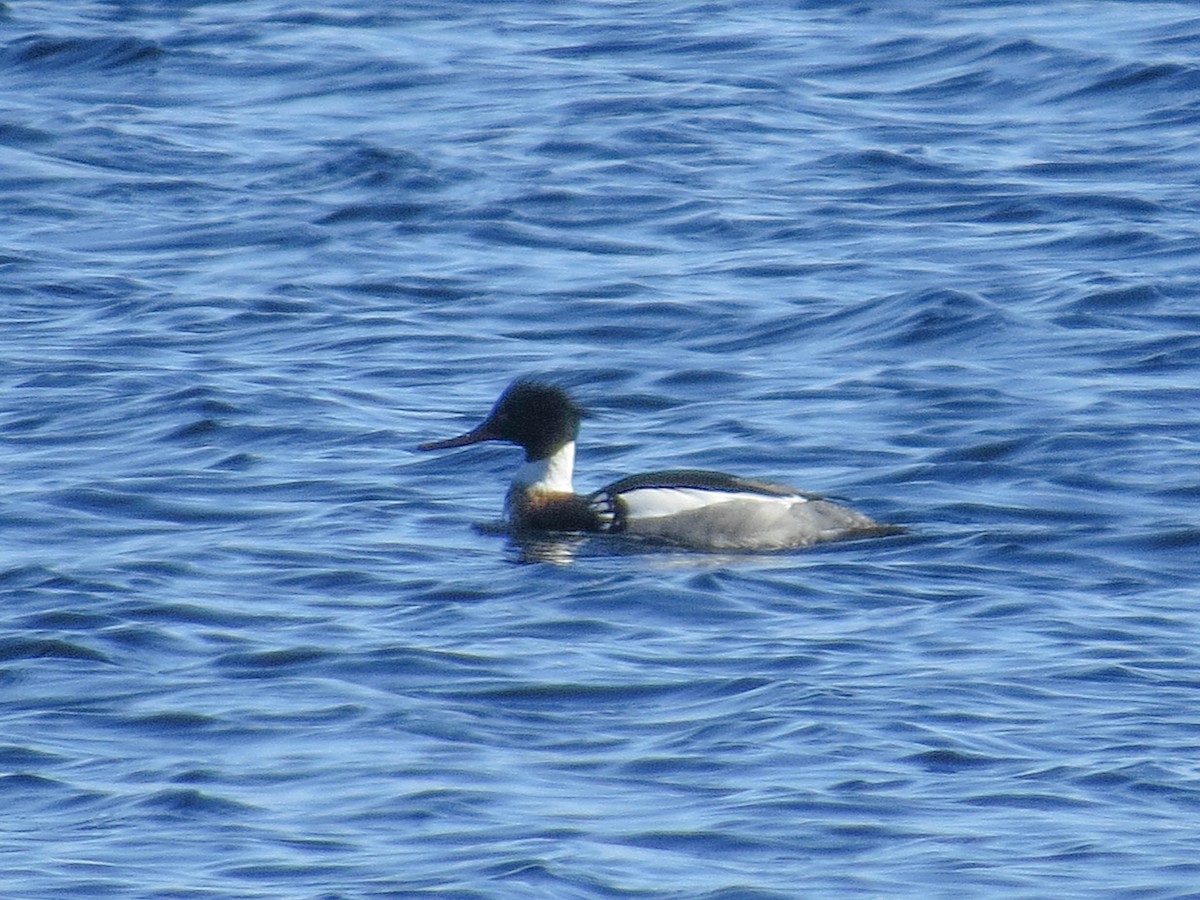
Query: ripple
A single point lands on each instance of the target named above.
(189, 802)
(48, 648)
(80, 54)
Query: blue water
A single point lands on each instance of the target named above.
(941, 260)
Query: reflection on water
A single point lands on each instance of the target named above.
(557, 549)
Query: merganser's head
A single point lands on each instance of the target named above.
(537, 416)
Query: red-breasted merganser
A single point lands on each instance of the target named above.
(688, 507)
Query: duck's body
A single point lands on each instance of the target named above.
(688, 507)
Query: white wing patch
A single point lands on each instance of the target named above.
(655, 502)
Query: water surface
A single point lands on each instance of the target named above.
(941, 262)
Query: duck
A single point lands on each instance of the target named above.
(690, 508)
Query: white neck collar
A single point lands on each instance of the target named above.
(554, 473)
